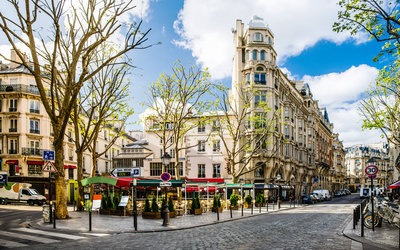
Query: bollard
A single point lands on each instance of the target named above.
(217, 213)
(273, 205)
(54, 218)
(354, 218)
(267, 206)
(399, 237)
(74, 205)
(90, 220)
(242, 209)
(251, 208)
(51, 212)
(260, 208)
(362, 224)
(231, 210)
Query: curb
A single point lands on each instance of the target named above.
(37, 225)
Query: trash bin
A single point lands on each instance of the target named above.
(46, 213)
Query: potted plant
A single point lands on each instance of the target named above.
(195, 209)
(248, 201)
(154, 210)
(217, 204)
(260, 200)
(234, 201)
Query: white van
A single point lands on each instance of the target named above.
(365, 192)
(325, 194)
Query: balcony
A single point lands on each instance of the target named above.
(12, 129)
(32, 151)
(34, 131)
(19, 88)
(12, 109)
(71, 158)
(12, 151)
(34, 111)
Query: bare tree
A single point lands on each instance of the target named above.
(175, 101)
(249, 130)
(66, 56)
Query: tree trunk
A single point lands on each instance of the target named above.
(79, 198)
(61, 194)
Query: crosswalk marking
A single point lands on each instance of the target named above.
(60, 235)
(27, 237)
(11, 244)
(96, 234)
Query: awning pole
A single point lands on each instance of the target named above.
(226, 196)
(207, 196)
(185, 197)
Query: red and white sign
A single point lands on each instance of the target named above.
(371, 170)
(49, 167)
(165, 176)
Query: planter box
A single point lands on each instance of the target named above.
(196, 211)
(151, 215)
(260, 204)
(247, 205)
(215, 209)
(172, 214)
(112, 212)
(235, 207)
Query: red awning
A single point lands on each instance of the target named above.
(210, 180)
(69, 166)
(12, 162)
(201, 189)
(395, 185)
(35, 162)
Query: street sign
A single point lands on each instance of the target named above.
(49, 167)
(165, 184)
(315, 179)
(126, 172)
(371, 170)
(372, 176)
(165, 177)
(48, 155)
(3, 178)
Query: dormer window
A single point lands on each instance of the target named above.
(257, 37)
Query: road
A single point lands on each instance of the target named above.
(312, 227)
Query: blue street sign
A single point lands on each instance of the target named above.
(3, 179)
(372, 176)
(48, 155)
(315, 179)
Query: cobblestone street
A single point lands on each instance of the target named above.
(312, 227)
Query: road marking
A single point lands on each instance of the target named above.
(27, 237)
(11, 244)
(60, 235)
(355, 245)
(95, 234)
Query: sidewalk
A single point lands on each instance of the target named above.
(385, 237)
(79, 221)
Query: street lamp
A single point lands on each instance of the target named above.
(166, 160)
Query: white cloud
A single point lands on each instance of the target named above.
(341, 93)
(297, 25)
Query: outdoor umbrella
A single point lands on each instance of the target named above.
(395, 185)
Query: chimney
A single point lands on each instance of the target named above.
(16, 60)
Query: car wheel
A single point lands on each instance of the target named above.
(31, 203)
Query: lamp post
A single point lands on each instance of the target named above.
(372, 162)
(166, 160)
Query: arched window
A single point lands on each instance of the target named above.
(262, 55)
(259, 69)
(254, 54)
(257, 37)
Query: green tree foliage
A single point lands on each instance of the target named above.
(171, 207)
(378, 18)
(234, 200)
(147, 207)
(154, 205)
(249, 199)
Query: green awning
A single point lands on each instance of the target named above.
(99, 179)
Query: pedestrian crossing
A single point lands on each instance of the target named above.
(25, 237)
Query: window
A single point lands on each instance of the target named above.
(260, 97)
(216, 146)
(70, 137)
(216, 170)
(71, 173)
(254, 54)
(287, 113)
(34, 148)
(35, 170)
(216, 126)
(260, 120)
(13, 125)
(169, 125)
(248, 78)
(13, 146)
(34, 127)
(1, 124)
(172, 152)
(247, 55)
(107, 167)
(262, 55)
(34, 107)
(201, 127)
(269, 40)
(83, 163)
(70, 155)
(201, 146)
(202, 171)
(13, 105)
(259, 170)
(1, 149)
(287, 131)
(258, 37)
(259, 69)
(0, 100)
(259, 78)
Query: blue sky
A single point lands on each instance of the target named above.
(337, 67)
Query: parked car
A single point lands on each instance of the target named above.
(326, 196)
(309, 199)
(317, 196)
